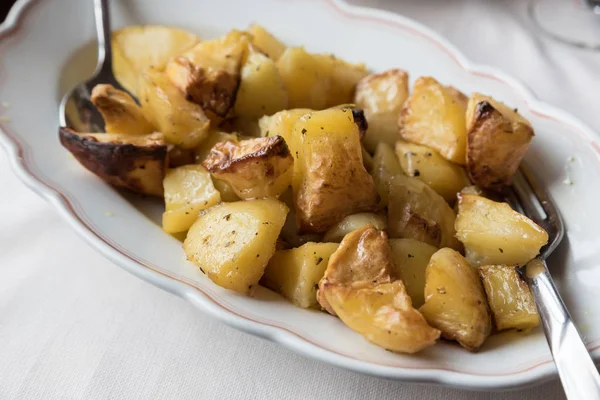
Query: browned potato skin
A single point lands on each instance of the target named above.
(254, 168)
(363, 259)
(496, 144)
(120, 112)
(416, 211)
(330, 180)
(137, 167)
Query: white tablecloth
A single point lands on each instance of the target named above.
(74, 326)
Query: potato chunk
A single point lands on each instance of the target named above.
(259, 167)
(426, 164)
(330, 181)
(120, 112)
(233, 242)
(410, 259)
(281, 123)
(214, 137)
(359, 286)
(382, 96)
(493, 233)
(209, 73)
(455, 301)
(261, 90)
(266, 42)
(385, 167)
(509, 297)
(136, 48)
(133, 162)
(318, 81)
(188, 190)
(295, 273)
(498, 138)
(353, 222)
(434, 116)
(184, 124)
(417, 212)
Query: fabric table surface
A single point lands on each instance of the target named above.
(75, 326)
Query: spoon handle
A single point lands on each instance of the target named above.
(102, 17)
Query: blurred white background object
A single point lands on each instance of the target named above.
(73, 326)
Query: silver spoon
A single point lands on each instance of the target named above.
(76, 109)
(576, 369)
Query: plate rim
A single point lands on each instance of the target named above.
(67, 208)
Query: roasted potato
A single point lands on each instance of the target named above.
(188, 190)
(415, 211)
(233, 242)
(317, 81)
(353, 222)
(266, 42)
(261, 90)
(330, 181)
(225, 189)
(120, 112)
(133, 162)
(509, 297)
(209, 73)
(455, 302)
(183, 123)
(434, 116)
(260, 167)
(136, 48)
(426, 164)
(497, 141)
(295, 273)
(410, 259)
(382, 96)
(281, 123)
(359, 286)
(493, 233)
(214, 137)
(385, 167)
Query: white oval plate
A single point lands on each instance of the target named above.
(39, 60)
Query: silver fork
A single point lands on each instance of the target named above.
(578, 374)
(76, 108)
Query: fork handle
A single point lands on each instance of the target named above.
(578, 374)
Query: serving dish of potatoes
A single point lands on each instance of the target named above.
(340, 189)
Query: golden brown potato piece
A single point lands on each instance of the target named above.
(261, 90)
(382, 96)
(133, 162)
(188, 190)
(330, 181)
(497, 141)
(353, 222)
(233, 242)
(295, 273)
(136, 48)
(209, 73)
(493, 233)
(318, 81)
(266, 42)
(214, 137)
(260, 167)
(410, 259)
(363, 259)
(509, 297)
(360, 288)
(281, 123)
(416, 211)
(455, 302)
(385, 167)
(183, 123)
(434, 116)
(426, 164)
(120, 112)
